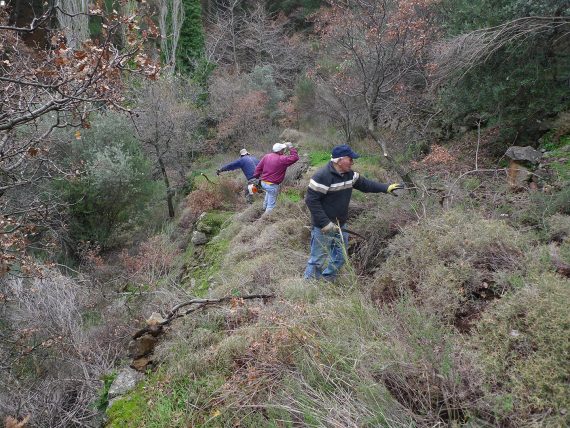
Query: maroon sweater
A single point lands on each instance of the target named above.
(272, 166)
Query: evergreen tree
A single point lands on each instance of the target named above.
(191, 43)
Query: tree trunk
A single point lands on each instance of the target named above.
(169, 192)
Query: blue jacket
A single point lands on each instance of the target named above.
(247, 164)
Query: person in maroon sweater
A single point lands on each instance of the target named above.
(271, 171)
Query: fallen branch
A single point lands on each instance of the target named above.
(195, 304)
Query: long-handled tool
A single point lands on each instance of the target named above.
(207, 179)
(350, 232)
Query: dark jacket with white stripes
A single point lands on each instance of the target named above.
(329, 194)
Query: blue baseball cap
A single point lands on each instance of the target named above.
(343, 150)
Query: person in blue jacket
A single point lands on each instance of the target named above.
(247, 164)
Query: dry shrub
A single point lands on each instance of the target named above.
(430, 374)
(257, 369)
(62, 341)
(187, 218)
(379, 224)
(203, 199)
(153, 260)
(90, 255)
(267, 236)
(453, 264)
(189, 348)
(250, 214)
(559, 228)
(439, 159)
(263, 254)
(207, 197)
(247, 111)
(329, 383)
(258, 274)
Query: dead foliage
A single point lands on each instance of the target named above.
(153, 260)
(209, 195)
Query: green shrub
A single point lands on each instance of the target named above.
(523, 344)
(114, 186)
(103, 400)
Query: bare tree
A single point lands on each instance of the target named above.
(375, 46)
(339, 110)
(240, 109)
(265, 42)
(222, 32)
(242, 38)
(165, 119)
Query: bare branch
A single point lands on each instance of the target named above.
(456, 57)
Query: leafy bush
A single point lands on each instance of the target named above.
(523, 82)
(113, 187)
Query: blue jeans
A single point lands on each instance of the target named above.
(327, 254)
(271, 192)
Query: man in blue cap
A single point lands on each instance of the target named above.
(328, 197)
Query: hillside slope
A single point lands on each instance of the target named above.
(449, 313)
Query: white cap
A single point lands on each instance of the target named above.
(277, 147)
(243, 152)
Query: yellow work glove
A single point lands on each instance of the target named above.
(394, 186)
